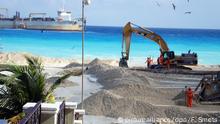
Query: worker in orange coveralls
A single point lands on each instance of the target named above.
(189, 96)
(149, 62)
(160, 60)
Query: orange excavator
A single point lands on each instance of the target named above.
(165, 53)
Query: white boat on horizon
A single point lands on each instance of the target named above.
(39, 21)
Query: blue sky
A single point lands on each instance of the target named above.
(205, 13)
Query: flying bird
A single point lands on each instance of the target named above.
(188, 12)
(158, 4)
(174, 6)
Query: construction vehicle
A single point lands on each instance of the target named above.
(208, 89)
(129, 28)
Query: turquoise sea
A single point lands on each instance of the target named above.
(105, 43)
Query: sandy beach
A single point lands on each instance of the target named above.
(114, 94)
(137, 62)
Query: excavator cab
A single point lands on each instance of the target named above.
(168, 55)
(165, 56)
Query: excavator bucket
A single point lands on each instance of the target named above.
(123, 60)
(123, 63)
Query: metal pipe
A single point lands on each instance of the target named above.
(82, 51)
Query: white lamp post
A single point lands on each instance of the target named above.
(84, 2)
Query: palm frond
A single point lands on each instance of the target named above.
(61, 79)
(34, 63)
(3, 66)
(58, 82)
(2, 75)
(7, 80)
(26, 84)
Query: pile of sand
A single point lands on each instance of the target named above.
(110, 104)
(19, 58)
(72, 65)
(127, 104)
(129, 94)
(13, 58)
(96, 61)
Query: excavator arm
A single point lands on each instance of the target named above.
(146, 33)
(130, 28)
(166, 54)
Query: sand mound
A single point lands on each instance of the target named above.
(19, 58)
(128, 94)
(13, 58)
(122, 83)
(128, 100)
(110, 76)
(110, 104)
(96, 61)
(146, 93)
(110, 62)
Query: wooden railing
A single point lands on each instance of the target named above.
(61, 114)
(33, 116)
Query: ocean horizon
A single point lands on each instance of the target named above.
(105, 42)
